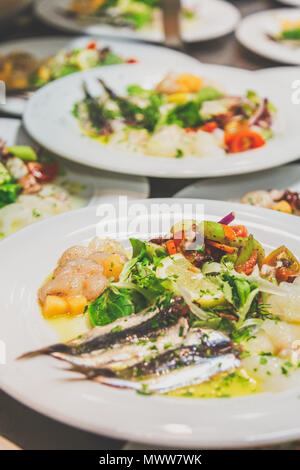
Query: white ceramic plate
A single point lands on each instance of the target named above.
(235, 187)
(10, 8)
(46, 386)
(46, 46)
(215, 18)
(288, 76)
(293, 3)
(58, 130)
(253, 31)
(99, 186)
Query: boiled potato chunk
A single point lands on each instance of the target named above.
(112, 267)
(54, 306)
(76, 304)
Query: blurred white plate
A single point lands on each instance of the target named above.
(293, 3)
(59, 131)
(10, 8)
(253, 32)
(47, 386)
(288, 76)
(98, 186)
(214, 18)
(43, 47)
(235, 187)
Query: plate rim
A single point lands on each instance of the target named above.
(252, 48)
(151, 437)
(251, 165)
(53, 23)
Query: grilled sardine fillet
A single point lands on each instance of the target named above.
(147, 326)
(203, 354)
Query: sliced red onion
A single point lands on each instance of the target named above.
(227, 219)
(258, 113)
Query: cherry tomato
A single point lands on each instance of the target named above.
(243, 140)
(209, 127)
(132, 61)
(92, 45)
(249, 265)
(43, 172)
(240, 230)
(286, 263)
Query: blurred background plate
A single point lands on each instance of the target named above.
(58, 131)
(254, 33)
(287, 76)
(97, 186)
(43, 47)
(235, 187)
(10, 8)
(292, 3)
(214, 18)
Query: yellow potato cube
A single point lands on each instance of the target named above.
(55, 306)
(189, 83)
(283, 206)
(177, 98)
(76, 304)
(112, 267)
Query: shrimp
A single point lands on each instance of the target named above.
(76, 251)
(77, 277)
(259, 198)
(94, 286)
(105, 245)
(79, 266)
(71, 285)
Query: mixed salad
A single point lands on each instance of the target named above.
(133, 14)
(21, 70)
(283, 201)
(183, 115)
(203, 311)
(32, 187)
(289, 33)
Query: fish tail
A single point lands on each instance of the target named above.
(59, 347)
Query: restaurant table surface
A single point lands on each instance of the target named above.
(31, 430)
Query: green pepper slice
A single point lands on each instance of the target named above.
(24, 152)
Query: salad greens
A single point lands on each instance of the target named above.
(180, 116)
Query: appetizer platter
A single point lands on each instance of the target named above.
(34, 184)
(200, 321)
(160, 123)
(277, 189)
(274, 34)
(26, 65)
(139, 19)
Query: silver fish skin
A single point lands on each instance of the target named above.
(128, 354)
(203, 354)
(127, 330)
(94, 336)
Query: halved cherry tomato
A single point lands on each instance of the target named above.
(43, 172)
(209, 127)
(243, 140)
(92, 45)
(178, 237)
(190, 130)
(289, 266)
(229, 232)
(240, 230)
(171, 247)
(249, 265)
(132, 61)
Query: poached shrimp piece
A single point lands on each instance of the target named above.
(82, 273)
